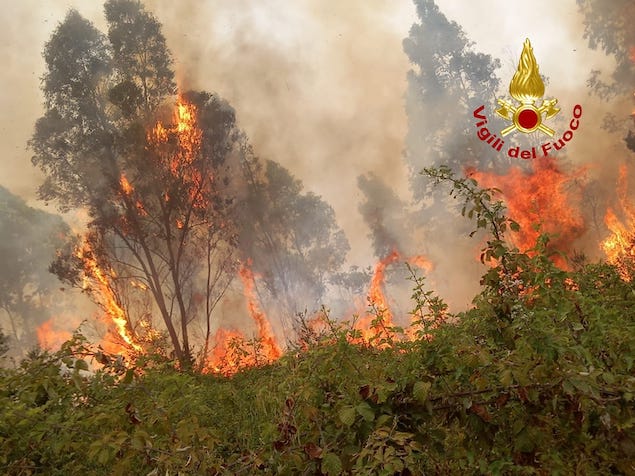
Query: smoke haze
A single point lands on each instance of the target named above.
(318, 86)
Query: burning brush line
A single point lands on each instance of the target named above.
(540, 201)
(619, 246)
(377, 327)
(49, 336)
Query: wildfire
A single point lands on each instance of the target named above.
(99, 280)
(176, 148)
(228, 355)
(125, 185)
(540, 198)
(271, 350)
(379, 324)
(231, 351)
(621, 243)
(50, 338)
(188, 135)
(180, 154)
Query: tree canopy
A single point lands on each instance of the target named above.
(447, 82)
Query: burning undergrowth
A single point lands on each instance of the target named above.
(543, 200)
(619, 246)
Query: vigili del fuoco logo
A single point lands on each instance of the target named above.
(527, 88)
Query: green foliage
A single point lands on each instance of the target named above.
(536, 378)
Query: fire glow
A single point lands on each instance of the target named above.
(620, 244)
(50, 337)
(99, 281)
(231, 351)
(541, 197)
(379, 324)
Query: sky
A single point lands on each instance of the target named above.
(318, 85)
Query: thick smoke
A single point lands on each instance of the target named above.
(566, 61)
(320, 87)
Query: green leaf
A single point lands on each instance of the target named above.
(103, 457)
(524, 441)
(127, 378)
(421, 390)
(347, 415)
(331, 464)
(382, 420)
(608, 377)
(365, 411)
(81, 364)
(141, 440)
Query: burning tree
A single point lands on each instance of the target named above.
(177, 201)
(151, 169)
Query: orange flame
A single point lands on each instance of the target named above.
(188, 138)
(271, 349)
(539, 197)
(125, 185)
(98, 280)
(227, 358)
(370, 327)
(620, 244)
(231, 352)
(50, 338)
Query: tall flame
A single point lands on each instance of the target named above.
(620, 245)
(188, 137)
(231, 352)
(378, 300)
(271, 349)
(526, 85)
(539, 197)
(126, 187)
(96, 278)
